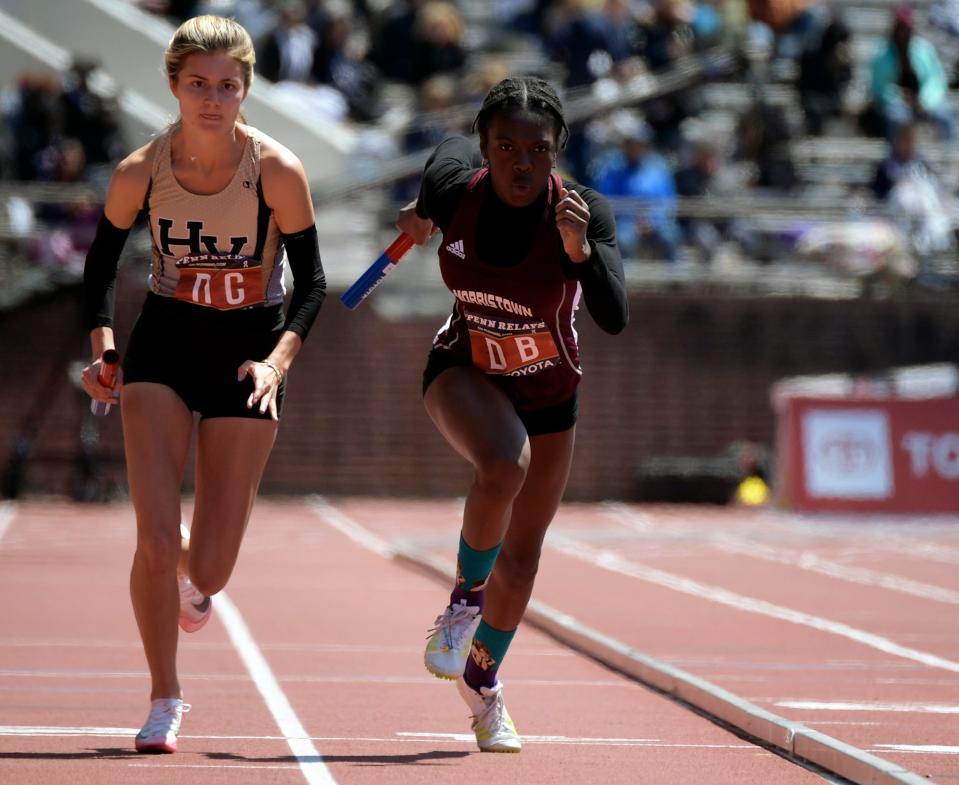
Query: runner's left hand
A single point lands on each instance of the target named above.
(266, 385)
(572, 218)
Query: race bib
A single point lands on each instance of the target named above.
(223, 282)
(511, 348)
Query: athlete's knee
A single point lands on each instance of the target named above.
(502, 475)
(158, 551)
(518, 567)
(209, 576)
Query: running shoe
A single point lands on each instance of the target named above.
(195, 607)
(162, 726)
(450, 639)
(492, 724)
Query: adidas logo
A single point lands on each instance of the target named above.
(456, 247)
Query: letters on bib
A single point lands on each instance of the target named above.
(511, 348)
(222, 281)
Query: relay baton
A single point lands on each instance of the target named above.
(109, 362)
(376, 272)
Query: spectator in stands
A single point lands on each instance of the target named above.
(438, 46)
(288, 52)
(700, 178)
(481, 74)
(392, 39)
(338, 62)
(177, 10)
(908, 81)
(69, 223)
(791, 21)
(825, 70)
(90, 118)
(676, 29)
(592, 44)
(904, 160)
(429, 126)
(763, 137)
(647, 222)
(524, 16)
(36, 125)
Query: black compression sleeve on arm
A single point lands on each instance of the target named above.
(601, 276)
(309, 283)
(100, 273)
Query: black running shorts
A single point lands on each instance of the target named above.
(551, 419)
(196, 351)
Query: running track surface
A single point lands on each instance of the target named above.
(311, 670)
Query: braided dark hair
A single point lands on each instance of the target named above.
(525, 92)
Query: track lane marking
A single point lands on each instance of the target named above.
(877, 706)
(801, 744)
(804, 560)
(8, 510)
(310, 762)
(42, 731)
(613, 562)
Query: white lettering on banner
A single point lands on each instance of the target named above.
(491, 301)
(497, 360)
(847, 454)
(527, 348)
(529, 370)
(941, 452)
(237, 297)
(204, 280)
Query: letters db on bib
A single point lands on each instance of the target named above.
(221, 281)
(511, 348)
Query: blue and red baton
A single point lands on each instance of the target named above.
(109, 362)
(376, 272)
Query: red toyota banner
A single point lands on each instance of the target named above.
(880, 455)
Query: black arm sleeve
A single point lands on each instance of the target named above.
(100, 273)
(445, 177)
(601, 276)
(309, 283)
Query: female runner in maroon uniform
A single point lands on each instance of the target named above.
(520, 247)
(223, 200)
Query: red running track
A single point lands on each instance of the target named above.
(312, 669)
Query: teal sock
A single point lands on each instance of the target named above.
(472, 569)
(486, 655)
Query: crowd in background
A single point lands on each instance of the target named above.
(403, 66)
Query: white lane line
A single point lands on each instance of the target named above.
(720, 704)
(7, 511)
(53, 730)
(310, 762)
(345, 648)
(297, 678)
(804, 560)
(925, 749)
(345, 525)
(613, 562)
(925, 550)
(916, 708)
(166, 765)
(573, 740)
(38, 731)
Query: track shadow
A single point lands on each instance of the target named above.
(414, 759)
(98, 754)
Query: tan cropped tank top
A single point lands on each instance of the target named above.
(219, 250)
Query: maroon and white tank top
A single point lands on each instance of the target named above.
(513, 322)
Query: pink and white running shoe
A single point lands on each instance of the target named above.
(162, 726)
(195, 607)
